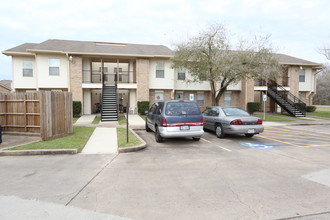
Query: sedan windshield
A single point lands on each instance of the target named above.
(181, 108)
(235, 112)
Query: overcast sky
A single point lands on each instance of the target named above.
(297, 27)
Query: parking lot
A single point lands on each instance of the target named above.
(283, 173)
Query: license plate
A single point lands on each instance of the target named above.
(184, 127)
(251, 131)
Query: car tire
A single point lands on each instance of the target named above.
(147, 128)
(196, 138)
(249, 135)
(158, 138)
(219, 131)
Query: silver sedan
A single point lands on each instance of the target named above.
(231, 120)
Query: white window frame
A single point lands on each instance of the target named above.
(160, 69)
(159, 94)
(227, 99)
(302, 75)
(200, 99)
(27, 69)
(54, 66)
(181, 73)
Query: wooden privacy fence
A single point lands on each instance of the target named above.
(46, 112)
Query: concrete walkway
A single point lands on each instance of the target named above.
(85, 120)
(102, 141)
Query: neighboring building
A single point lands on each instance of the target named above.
(5, 85)
(117, 73)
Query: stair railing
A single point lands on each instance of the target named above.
(292, 99)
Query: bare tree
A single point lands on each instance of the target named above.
(325, 50)
(322, 96)
(210, 57)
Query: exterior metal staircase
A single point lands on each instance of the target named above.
(290, 103)
(109, 104)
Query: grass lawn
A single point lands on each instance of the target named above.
(274, 117)
(132, 140)
(77, 140)
(96, 120)
(121, 120)
(75, 119)
(143, 117)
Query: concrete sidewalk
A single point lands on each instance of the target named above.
(85, 120)
(102, 141)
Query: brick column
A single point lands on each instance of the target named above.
(142, 79)
(294, 80)
(75, 75)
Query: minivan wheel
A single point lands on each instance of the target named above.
(249, 135)
(219, 131)
(158, 138)
(196, 139)
(147, 128)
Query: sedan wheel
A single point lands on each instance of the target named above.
(219, 131)
(158, 138)
(196, 138)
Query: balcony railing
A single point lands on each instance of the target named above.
(108, 78)
(284, 81)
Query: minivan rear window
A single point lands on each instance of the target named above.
(182, 108)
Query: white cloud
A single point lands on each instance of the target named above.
(296, 26)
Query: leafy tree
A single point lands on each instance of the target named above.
(210, 57)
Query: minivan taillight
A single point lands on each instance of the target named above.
(259, 122)
(236, 122)
(164, 122)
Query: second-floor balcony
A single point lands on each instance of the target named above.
(284, 81)
(108, 78)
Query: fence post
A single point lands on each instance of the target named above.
(0, 134)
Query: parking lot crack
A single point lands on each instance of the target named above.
(243, 203)
(91, 180)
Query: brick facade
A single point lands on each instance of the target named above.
(142, 79)
(76, 78)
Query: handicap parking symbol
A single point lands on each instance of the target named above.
(258, 145)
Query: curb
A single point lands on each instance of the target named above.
(37, 152)
(135, 148)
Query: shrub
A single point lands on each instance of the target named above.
(76, 105)
(310, 108)
(253, 107)
(301, 106)
(143, 106)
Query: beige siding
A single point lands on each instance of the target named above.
(18, 80)
(47, 81)
(161, 83)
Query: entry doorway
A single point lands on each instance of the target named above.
(123, 98)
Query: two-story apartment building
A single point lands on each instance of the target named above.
(115, 74)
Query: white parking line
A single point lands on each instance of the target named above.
(226, 149)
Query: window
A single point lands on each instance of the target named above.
(27, 68)
(160, 72)
(179, 96)
(181, 73)
(200, 99)
(227, 99)
(159, 96)
(302, 75)
(54, 67)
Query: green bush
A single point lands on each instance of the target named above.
(143, 106)
(301, 106)
(76, 105)
(310, 108)
(253, 107)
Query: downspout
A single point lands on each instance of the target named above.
(37, 80)
(68, 72)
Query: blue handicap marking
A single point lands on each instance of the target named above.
(258, 145)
